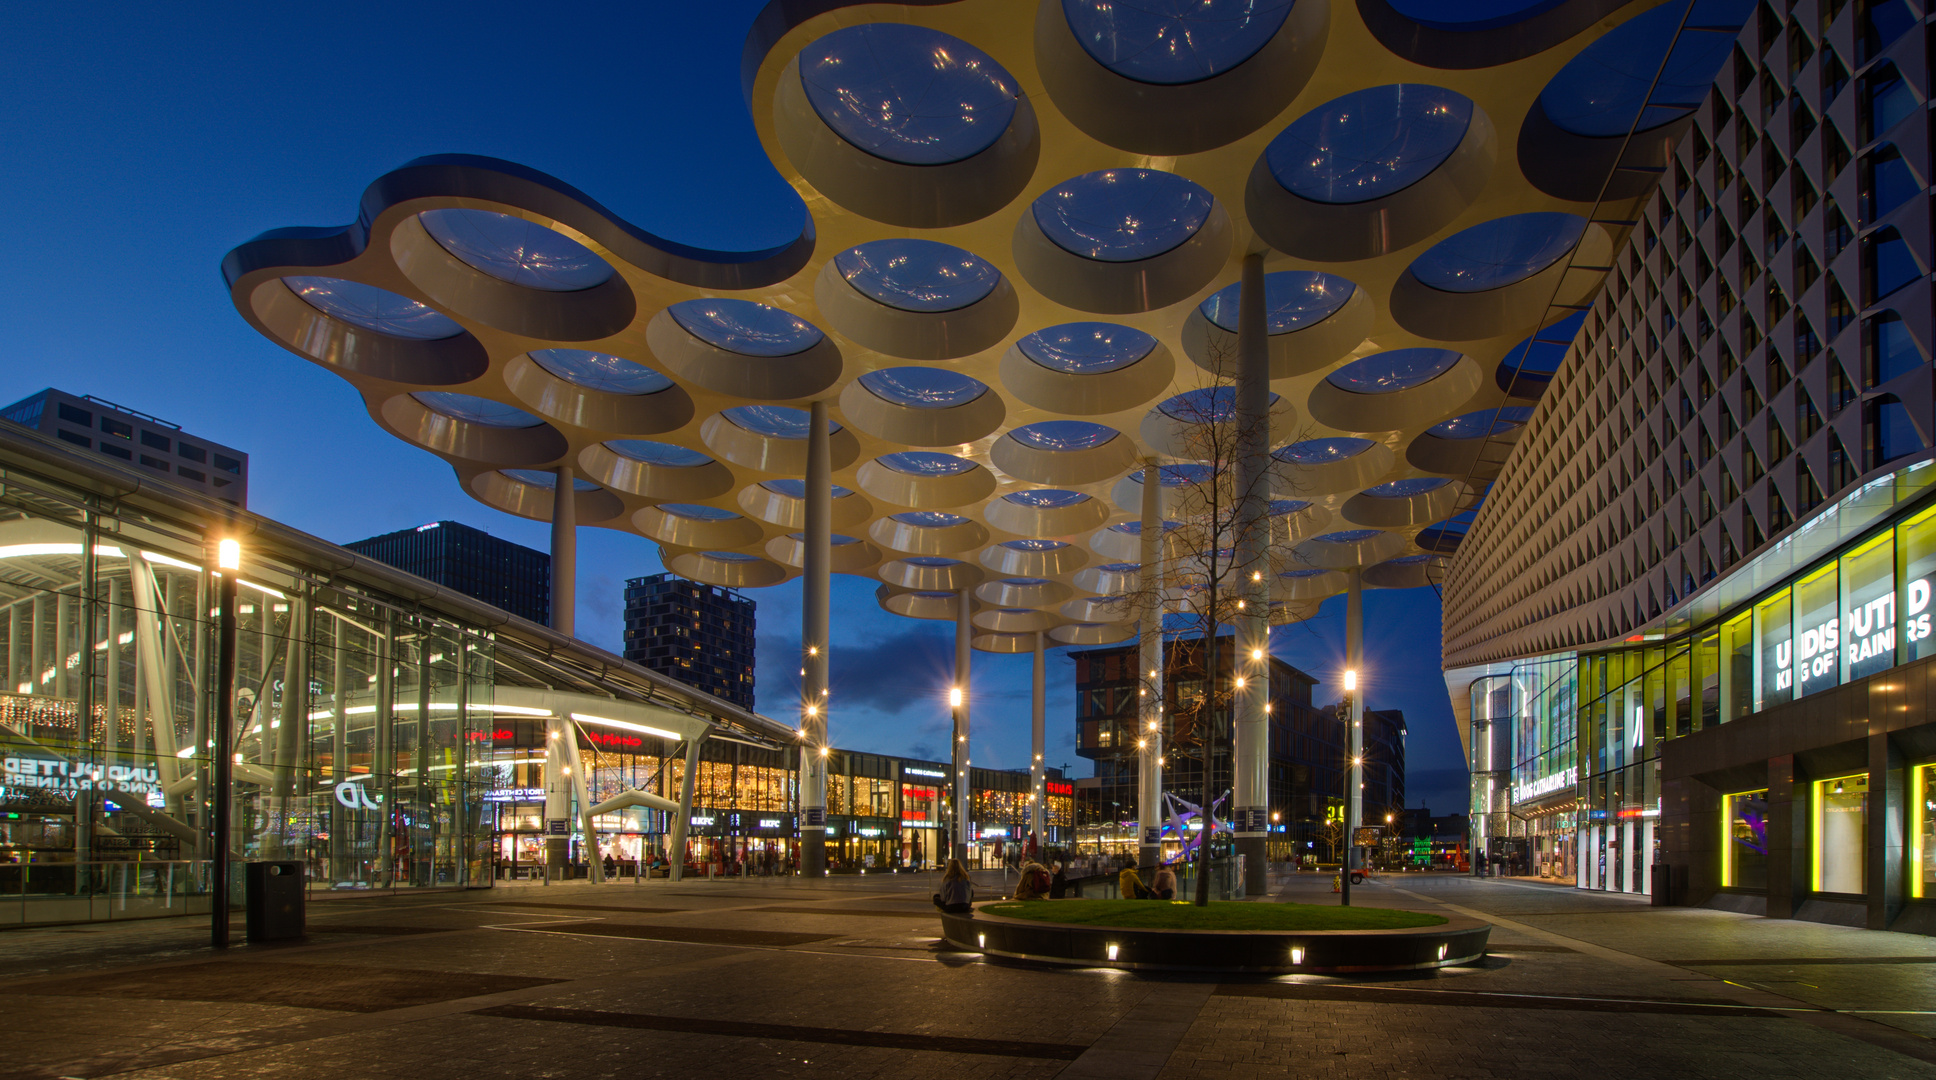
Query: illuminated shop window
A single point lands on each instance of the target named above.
(1869, 607)
(1916, 559)
(1737, 667)
(1841, 835)
(1744, 840)
(1818, 632)
(1774, 652)
(1922, 832)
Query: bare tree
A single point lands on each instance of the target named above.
(1221, 546)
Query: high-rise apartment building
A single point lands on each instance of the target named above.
(1690, 627)
(701, 635)
(126, 435)
(471, 561)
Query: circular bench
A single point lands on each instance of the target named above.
(1276, 952)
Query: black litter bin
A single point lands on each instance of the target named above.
(1663, 885)
(275, 900)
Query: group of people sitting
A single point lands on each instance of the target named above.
(957, 895)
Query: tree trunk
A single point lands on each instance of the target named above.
(1208, 741)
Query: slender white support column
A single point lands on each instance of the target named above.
(958, 703)
(1038, 709)
(564, 554)
(815, 605)
(682, 820)
(112, 657)
(1250, 782)
(581, 790)
(151, 661)
(1149, 662)
(1354, 660)
(557, 797)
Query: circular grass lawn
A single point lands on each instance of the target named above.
(1236, 915)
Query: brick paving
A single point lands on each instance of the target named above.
(845, 978)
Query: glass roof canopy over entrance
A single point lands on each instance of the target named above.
(1031, 214)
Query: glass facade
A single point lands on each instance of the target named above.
(1841, 834)
(362, 724)
(1744, 840)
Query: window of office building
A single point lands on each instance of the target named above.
(1744, 851)
(1818, 632)
(1841, 834)
(1916, 555)
(1868, 630)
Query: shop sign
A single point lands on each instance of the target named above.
(613, 740)
(54, 774)
(769, 823)
(1545, 785)
(1816, 655)
(906, 771)
(1057, 787)
(1917, 626)
(353, 795)
(993, 833)
(702, 821)
(1872, 628)
(872, 832)
(516, 794)
(500, 735)
(917, 824)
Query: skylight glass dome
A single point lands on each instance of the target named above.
(515, 250)
(1369, 143)
(1086, 348)
(918, 275)
(371, 308)
(907, 93)
(744, 327)
(1170, 42)
(1122, 215)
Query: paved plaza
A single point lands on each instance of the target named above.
(845, 978)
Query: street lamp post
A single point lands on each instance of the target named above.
(1351, 807)
(229, 560)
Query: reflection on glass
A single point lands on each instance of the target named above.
(1602, 91)
(1369, 143)
(1062, 435)
(1282, 507)
(1170, 42)
(1322, 451)
(925, 463)
(1922, 832)
(1086, 348)
(1389, 372)
(600, 371)
(658, 453)
(1500, 252)
(1475, 425)
(1818, 632)
(1181, 474)
(372, 308)
(907, 93)
(547, 479)
(475, 410)
(797, 489)
(1293, 299)
(774, 421)
(1046, 498)
(1348, 536)
(1034, 545)
(515, 250)
(1774, 651)
(696, 512)
(1122, 215)
(1407, 488)
(923, 387)
(929, 519)
(1869, 608)
(917, 275)
(1744, 858)
(1916, 567)
(744, 327)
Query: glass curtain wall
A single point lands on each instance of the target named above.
(351, 720)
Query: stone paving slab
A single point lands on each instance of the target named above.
(844, 978)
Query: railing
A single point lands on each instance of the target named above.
(48, 892)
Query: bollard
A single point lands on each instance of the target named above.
(1336, 882)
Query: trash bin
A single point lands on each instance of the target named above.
(274, 899)
(1663, 885)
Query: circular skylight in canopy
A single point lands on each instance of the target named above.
(1322, 451)
(475, 410)
(668, 455)
(923, 387)
(925, 463)
(1501, 252)
(545, 479)
(1171, 42)
(1293, 299)
(1086, 348)
(1407, 488)
(600, 371)
(1122, 215)
(907, 93)
(918, 275)
(1062, 435)
(744, 327)
(1046, 498)
(1369, 143)
(1474, 425)
(1393, 370)
(371, 308)
(515, 250)
(774, 421)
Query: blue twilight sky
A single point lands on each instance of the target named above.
(140, 142)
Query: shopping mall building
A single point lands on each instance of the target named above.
(1691, 626)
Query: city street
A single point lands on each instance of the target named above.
(844, 978)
